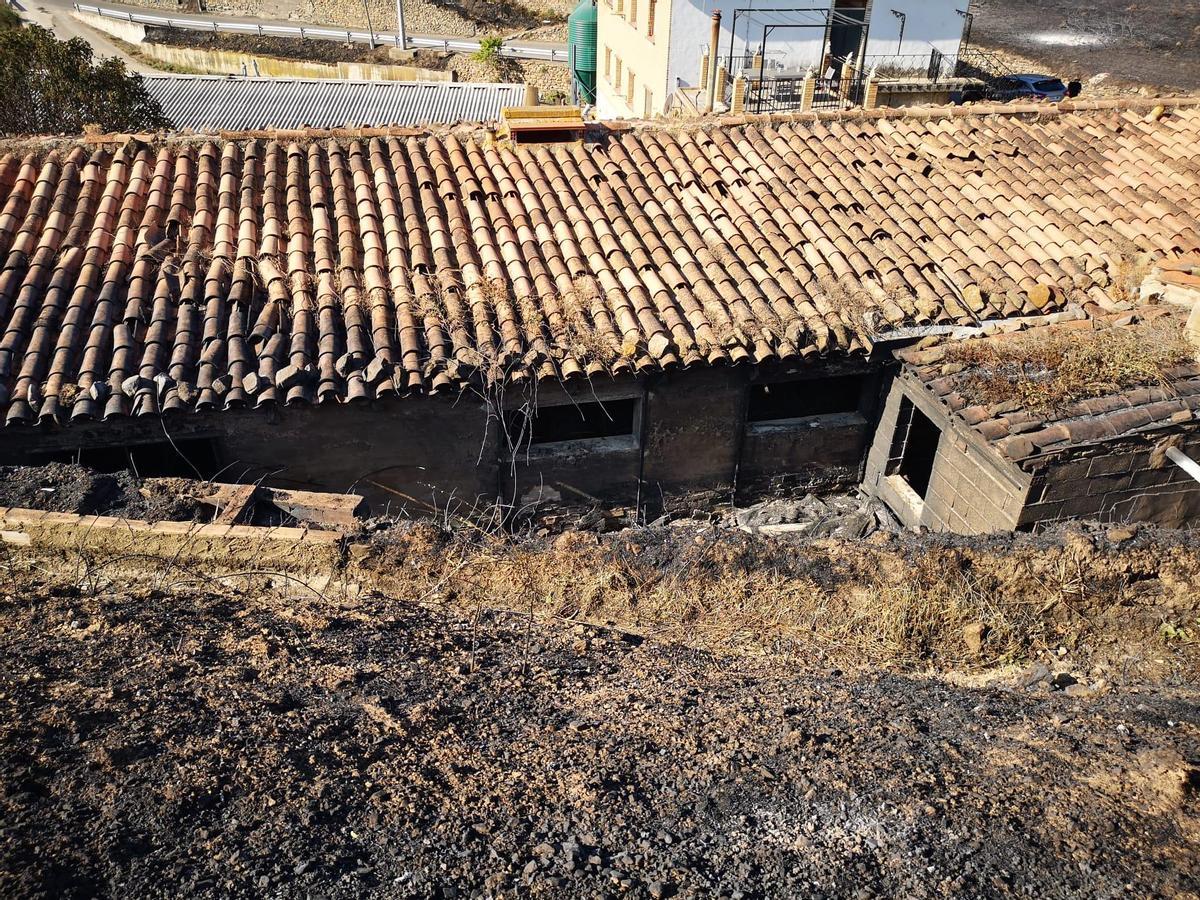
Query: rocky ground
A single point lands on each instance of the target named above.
(552, 80)
(789, 699)
(271, 742)
(290, 48)
(1143, 47)
(538, 20)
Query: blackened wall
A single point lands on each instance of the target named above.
(1121, 481)
(399, 453)
(424, 453)
(813, 453)
(575, 471)
(694, 420)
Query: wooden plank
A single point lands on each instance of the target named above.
(230, 502)
(316, 508)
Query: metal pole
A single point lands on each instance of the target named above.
(714, 48)
(732, 35)
(1184, 462)
(401, 38)
(574, 80)
(762, 67)
(370, 27)
(903, 17)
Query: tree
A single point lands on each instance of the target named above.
(489, 50)
(50, 86)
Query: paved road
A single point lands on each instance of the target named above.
(60, 11)
(57, 17)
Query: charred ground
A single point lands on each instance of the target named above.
(252, 738)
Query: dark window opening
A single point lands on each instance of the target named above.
(809, 397)
(162, 459)
(546, 135)
(574, 422)
(914, 448)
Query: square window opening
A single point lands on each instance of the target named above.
(572, 422)
(785, 400)
(914, 448)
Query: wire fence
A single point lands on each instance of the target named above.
(305, 32)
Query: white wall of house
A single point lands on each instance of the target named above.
(691, 32)
(928, 26)
(683, 31)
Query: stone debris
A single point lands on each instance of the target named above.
(849, 516)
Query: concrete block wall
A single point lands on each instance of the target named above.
(971, 490)
(1120, 482)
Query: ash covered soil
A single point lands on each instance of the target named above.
(254, 744)
(66, 488)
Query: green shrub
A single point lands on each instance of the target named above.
(489, 50)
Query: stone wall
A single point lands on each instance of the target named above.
(229, 62)
(548, 78)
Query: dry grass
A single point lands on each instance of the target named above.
(1046, 371)
(1127, 272)
(842, 602)
(581, 338)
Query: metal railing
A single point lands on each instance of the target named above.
(448, 45)
(786, 93)
(936, 66)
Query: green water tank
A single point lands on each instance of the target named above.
(581, 49)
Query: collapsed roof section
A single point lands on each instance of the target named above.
(1028, 399)
(211, 274)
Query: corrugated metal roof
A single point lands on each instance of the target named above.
(220, 103)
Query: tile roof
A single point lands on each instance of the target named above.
(1022, 435)
(210, 103)
(209, 274)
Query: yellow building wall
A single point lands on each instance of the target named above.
(632, 37)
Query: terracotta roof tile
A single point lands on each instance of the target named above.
(1021, 434)
(207, 274)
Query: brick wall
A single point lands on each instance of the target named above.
(423, 452)
(971, 489)
(1119, 482)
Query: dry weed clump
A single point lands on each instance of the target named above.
(840, 602)
(1050, 370)
(1127, 272)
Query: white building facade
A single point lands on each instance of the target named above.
(648, 49)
